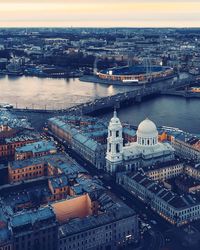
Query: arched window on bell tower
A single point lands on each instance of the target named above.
(117, 133)
(117, 148)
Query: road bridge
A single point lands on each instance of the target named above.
(136, 95)
(126, 98)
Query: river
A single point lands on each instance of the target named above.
(34, 92)
(170, 111)
(61, 93)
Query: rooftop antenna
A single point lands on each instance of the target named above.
(117, 106)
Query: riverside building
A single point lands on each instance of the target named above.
(145, 151)
(149, 170)
(87, 136)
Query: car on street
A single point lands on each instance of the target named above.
(153, 222)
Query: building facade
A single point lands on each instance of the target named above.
(147, 150)
(110, 229)
(70, 130)
(35, 230)
(187, 148)
(176, 208)
(9, 145)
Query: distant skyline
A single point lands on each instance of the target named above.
(99, 13)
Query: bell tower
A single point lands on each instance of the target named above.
(114, 144)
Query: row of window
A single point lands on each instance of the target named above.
(149, 141)
(27, 169)
(92, 241)
(5, 147)
(116, 133)
(15, 177)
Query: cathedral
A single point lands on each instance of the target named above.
(146, 151)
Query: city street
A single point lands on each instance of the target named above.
(152, 239)
(158, 233)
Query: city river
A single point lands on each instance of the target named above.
(170, 111)
(61, 93)
(33, 92)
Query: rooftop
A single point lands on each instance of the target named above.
(180, 135)
(37, 147)
(8, 118)
(29, 218)
(133, 70)
(59, 182)
(111, 212)
(172, 198)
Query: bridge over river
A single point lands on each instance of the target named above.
(136, 95)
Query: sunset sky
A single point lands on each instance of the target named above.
(100, 13)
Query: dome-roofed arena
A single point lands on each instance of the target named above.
(136, 74)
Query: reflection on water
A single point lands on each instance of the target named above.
(111, 90)
(60, 93)
(52, 93)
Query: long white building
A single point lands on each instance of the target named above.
(176, 209)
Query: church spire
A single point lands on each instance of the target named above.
(115, 113)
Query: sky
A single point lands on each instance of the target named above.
(99, 13)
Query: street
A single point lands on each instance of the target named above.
(161, 235)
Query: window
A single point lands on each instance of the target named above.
(117, 148)
(109, 147)
(117, 133)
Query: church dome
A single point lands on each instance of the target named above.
(147, 133)
(147, 127)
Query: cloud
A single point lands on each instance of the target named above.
(99, 13)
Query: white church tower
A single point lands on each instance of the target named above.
(114, 144)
